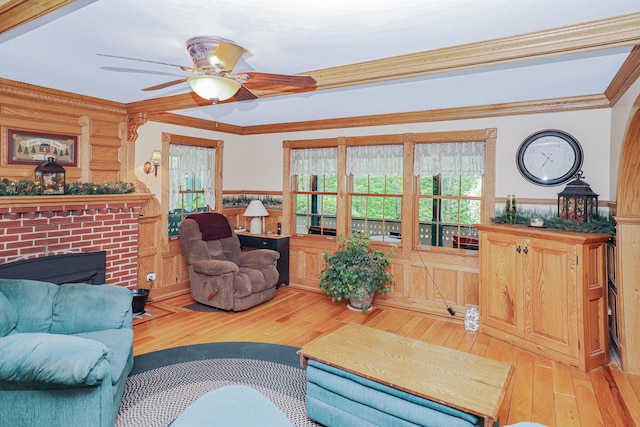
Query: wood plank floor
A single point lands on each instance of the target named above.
(542, 390)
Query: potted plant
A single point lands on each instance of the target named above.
(356, 271)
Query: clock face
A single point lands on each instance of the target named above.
(549, 157)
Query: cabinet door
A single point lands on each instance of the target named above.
(501, 303)
(551, 295)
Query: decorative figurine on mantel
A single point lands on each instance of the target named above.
(51, 177)
(577, 201)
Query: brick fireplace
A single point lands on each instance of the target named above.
(39, 226)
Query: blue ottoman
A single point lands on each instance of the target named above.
(233, 406)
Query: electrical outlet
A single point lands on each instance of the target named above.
(151, 277)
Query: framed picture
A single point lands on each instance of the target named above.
(26, 147)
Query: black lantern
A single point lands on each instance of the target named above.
(51, 177)
(577, 201)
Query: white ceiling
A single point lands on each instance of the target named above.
(295, 36)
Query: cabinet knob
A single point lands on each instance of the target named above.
(526, 250)
(519, 249)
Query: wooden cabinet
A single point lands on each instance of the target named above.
(545, 290)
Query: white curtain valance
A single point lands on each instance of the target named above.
(314, 161)
(374, 160)
(449, 158)
(187, 159)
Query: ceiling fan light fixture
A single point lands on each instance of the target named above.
(214, 87)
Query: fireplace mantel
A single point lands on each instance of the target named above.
(10, 203)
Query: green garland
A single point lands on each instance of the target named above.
(596, 225)
(28, 187)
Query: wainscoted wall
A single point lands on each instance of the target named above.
(38, 226)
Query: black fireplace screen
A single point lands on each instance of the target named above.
(89, 267)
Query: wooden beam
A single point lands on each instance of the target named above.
(625, 77)
(14, 13)
(587, 37)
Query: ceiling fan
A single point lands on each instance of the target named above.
(213, 61)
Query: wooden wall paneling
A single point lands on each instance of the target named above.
(628, 236)
(34, 108)
(471, 284)
(148, 245)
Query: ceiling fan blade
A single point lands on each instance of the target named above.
(167, 84)
(189, 69)
(244, 94)
(139, 71)
(283, 82)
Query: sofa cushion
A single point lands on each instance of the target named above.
(119, 343)
(32, 301)
(384, 398)
(8, 316)
(79, 307)
(52, 360)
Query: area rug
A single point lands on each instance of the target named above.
(196, 306)
(163, 383)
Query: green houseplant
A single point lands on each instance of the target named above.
(356, 271)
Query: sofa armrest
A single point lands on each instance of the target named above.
(259, 257)
(214, 267)
(40, 360)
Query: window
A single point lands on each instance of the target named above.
(449, 196)
(191, 182)
(376, 176)
(315, 187)
(423, 190)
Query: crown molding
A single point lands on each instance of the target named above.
(461, 113)
(58, 97)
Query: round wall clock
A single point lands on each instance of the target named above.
(549, 157)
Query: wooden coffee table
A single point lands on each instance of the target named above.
(456, 379)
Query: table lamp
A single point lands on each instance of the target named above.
(257, 210)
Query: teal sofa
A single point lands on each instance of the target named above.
(65, 353)
(339, 398)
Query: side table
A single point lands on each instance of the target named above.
(275, 242)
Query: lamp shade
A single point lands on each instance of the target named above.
(256, 208)
(214, 88)
(156, 156)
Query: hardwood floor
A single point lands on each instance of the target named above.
(542, 390)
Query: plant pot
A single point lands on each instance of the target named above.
(140, 297)
(361, 299)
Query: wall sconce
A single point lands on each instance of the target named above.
(153, 163)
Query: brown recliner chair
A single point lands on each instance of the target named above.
(222, 275)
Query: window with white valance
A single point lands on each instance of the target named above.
(374, 160)
(314, 161)
(192, 171)
(315, 173)
(450, 177)
(449, 158)
(376, 189)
